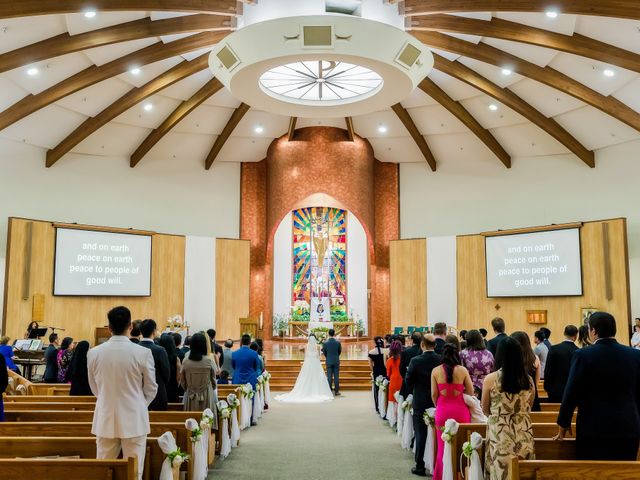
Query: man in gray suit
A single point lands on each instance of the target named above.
(227, 353)
(331, 349)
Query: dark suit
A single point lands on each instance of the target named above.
(51, 370)
(163, 371)
(418, 382)
(439, 346)
(604, 385)
(405, 357)
(331, 349)
(492, 345)
(556, 370)
(217, 349)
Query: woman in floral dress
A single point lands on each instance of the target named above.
(477, 359)
(507, 396)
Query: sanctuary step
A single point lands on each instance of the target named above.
(354, 374)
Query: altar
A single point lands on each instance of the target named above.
(304, 328)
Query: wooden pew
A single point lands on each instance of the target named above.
(44, 416)
(65, 404)
(567, 470)
(84, 469)
(550, 407)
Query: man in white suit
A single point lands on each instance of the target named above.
(122, 377)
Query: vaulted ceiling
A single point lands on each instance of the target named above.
(512, 78)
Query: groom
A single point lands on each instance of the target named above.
(331, 349)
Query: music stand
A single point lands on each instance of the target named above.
(37, 333)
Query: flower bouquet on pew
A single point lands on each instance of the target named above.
(225, 414)
(429, 417)
(448, 433)
(234, 403)
(267, 389)
(470, 451)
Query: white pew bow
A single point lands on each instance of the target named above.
(407, 427)
(449, 431)
(429, 457)
(225, 441)
(175, 457)
(470, 450)
(400, 420)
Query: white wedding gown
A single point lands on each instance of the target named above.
(311, 385)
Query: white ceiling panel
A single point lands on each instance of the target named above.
(590, 73)
(562, 23)
(223, 98)
(396, 150)
(435, 119)
(205, 120)
(137, 115)
(78, 23)
(614, 31)
(114, 139)
(176, 36)
(149, 72)
(527, 140)
(630, 94)
(455, 88)
(19, 32)
(10, 92)
(56, 122)
(184, 89)
(491, 72)
(196, 53)
(367, 125)
(595, 129)
(418, 98)
(537, 55)
(92, 100)
(163, 15)
(477, 15)
(445, 54)
(478, 107)
(461, 148)
(106, 54)
(463, 36)
(273, 125)
(547, 100)
(243, 149)
(50, 72)
(326, 122)
(182, 148)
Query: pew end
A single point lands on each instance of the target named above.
(82, 469)
(573, 470)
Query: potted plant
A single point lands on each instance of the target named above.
(280, 324)
(360, 327)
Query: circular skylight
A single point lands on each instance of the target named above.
(320, 81)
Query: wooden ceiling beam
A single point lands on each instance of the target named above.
(292, 128)
(185, 108)
(350, 131)
(228, 129)
(124, 103)
(124, 32)
(409, 124)
(429, 87)
(511, 100)
(575, 44)
(92, 75)
(546, 75)
(603, 8)
(26, 8)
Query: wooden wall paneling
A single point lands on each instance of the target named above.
(79, 316)
(232, 286)
(408, 272)
(475, 310)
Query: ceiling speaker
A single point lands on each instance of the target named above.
(317, 36)
(229, 59)
(408, 55)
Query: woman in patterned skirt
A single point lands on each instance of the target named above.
(507, 397)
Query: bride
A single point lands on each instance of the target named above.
(311, 385)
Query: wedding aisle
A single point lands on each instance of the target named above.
(342, 439)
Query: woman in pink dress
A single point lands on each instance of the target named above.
(448, 384)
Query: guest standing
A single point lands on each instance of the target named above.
(6, 351)
(507, 397)
(51, 360)
(531, 363)
(4, 383)
(185, 346)
(406, 356)
(148, 329)
(604, 385)
(122, 377)
(64, 358)
(583, 336)
(541, 350)
(477, 360)
(32, 326)
(177, 341)
(559, 364)
(635, 339)
(259, 369)
(134, 334)
(498, 328)
(198, 377)
(393, 373)
(78, 370)
(377, 362)
(448, 383)
(418, 381)
(227, 352)
(245, 363)
(440, 332)
(169, 345)
(547, 336)
(215, 348)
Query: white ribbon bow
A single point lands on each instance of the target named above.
(168, 445)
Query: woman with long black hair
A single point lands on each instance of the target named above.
(531, 364)
(377, 361)
(168, 343)
(507, 397)
(78, 374)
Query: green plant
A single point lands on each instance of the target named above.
(280, 323)
(360, 325)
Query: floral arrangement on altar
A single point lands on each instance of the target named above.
(382, 383)
(429, 417)
(247, 391)
(321, 334)
(233, 401)
(175, 322)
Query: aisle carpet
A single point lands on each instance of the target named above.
(343, 439)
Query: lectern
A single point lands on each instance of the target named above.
(250, 326)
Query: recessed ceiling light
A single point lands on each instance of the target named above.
(258, 129)
(148, 107)
(608, 72)
(551, 13)
(382, 129)
(134, 71)
(506, 72)
(33, 71)
(493, 107)
(90, 13)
